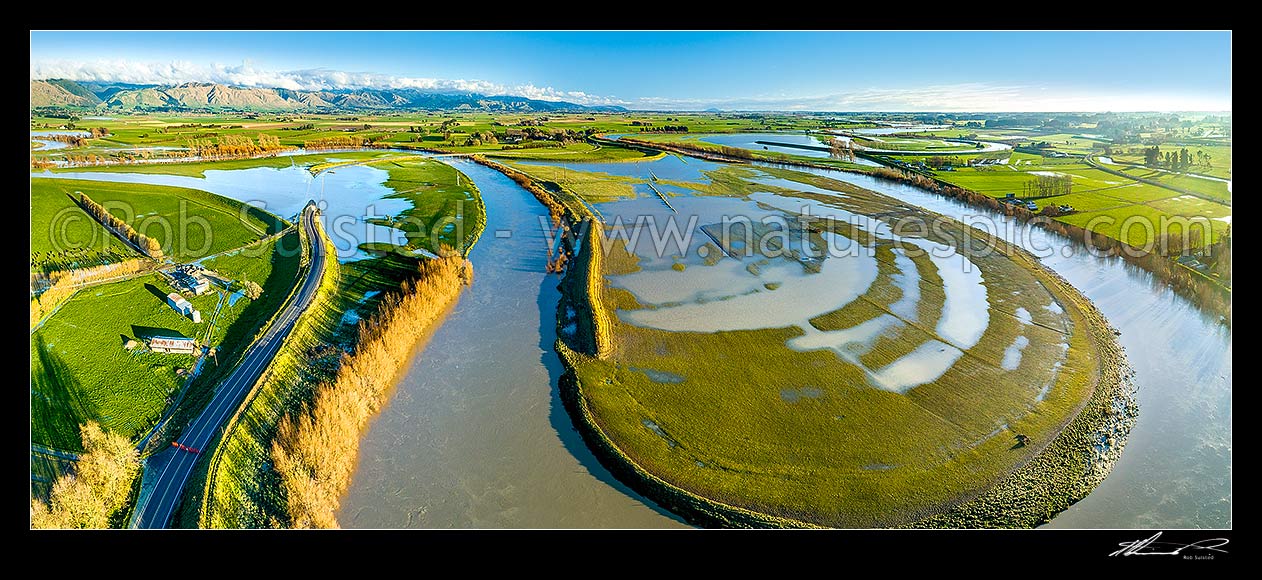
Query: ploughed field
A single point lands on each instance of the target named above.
(840, 359)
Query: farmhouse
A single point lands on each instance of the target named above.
(178, 345)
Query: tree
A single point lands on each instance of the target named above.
(251, 289)
(99, 487)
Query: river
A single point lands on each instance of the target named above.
(475, 435)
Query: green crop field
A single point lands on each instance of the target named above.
(80, 369)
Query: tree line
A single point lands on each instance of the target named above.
(234, 146)
(665, 129)
(1180, 160)
(1049, 185)
(315, 448)
(62, 284)
(337, 142)
(148, 245)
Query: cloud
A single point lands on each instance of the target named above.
(246, 75)
(962, 97)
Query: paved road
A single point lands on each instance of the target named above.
(156, 510)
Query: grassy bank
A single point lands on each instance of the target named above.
(239, 490)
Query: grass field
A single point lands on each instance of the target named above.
(188, 223)
(595, 187)
(63, 236)
(746, 421)
(446, 206)
(198, 168)
(80, 370)
(1106, 198)
(1220, 156)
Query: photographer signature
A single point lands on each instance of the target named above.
(1151, 547)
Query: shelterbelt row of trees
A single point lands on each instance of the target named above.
(337, 142)
(147, 244)
(229, 146)
(97, 489)
(315, 449)
(1049, 185)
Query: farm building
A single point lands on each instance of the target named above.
(172, 345)
(189, 277)
(179, 304)
(197, 285)
(184, 307)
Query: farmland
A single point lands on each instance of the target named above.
(90, 331)
(189, 224)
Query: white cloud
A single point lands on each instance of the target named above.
(964, 97)
(246, 75)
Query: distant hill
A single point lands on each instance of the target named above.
(211, 96)
(61, 93)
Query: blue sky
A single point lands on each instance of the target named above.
(825, 71)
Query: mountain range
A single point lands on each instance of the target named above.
(212, 96)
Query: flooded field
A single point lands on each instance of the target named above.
(826, 336)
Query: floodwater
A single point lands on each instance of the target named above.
(50, 144)
(475, 435)
(349, 195)
(758, 289)
(750, 141)
(1176, 469)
